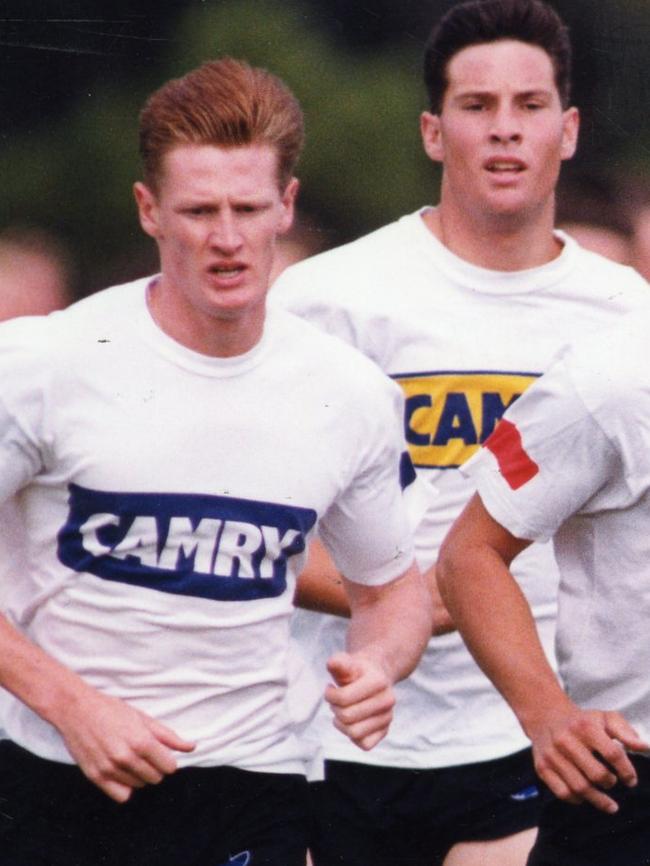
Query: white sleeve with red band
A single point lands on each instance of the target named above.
(545, 461)
(515, 465)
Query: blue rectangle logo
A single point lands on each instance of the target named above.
(215, 547)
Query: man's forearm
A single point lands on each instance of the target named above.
(442, 621)
(388, 631)
(391, 624)
(492, 613)
(496, 623)
(118, 747)
(320, 585)
(34, 677)
(320, 588)
(578, 753)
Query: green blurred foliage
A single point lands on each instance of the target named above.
(363, 164)
(75, 177)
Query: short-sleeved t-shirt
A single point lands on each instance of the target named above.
(167, 499)
(462, 342)
(571, 460)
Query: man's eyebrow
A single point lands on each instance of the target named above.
(486, 93)
(474, 93)
(535, 91)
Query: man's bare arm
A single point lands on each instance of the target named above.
(442, 621)
(320, 584)
(495, 620)
(321, 588)
(389, 629)
(117, 747)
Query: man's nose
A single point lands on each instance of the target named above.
(224, 233)
(506, 127)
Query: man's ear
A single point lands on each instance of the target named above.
(148, 211)
(431, 136)
(570, 129)
(288, 205)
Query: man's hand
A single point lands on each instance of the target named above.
(116, 746)
(362, 699)
(580, 752)
(389, 629)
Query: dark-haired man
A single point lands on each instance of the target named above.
(463, 304)
(167, 503)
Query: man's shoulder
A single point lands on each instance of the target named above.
(622, 350)
(605, 271)
(381, 241)
(61, 334)
(117, 300)
(318, 346)
(328, 358)
(609, 367)
(350, 266)
(102, 316)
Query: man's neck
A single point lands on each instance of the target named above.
(217, 337)
(506, 244)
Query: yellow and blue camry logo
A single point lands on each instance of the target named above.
(450, 414)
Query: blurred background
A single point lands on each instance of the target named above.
(74, 74)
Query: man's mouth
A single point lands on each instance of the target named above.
(226, 270)
(505, 165)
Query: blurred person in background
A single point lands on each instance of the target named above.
(464, 304)
(601, 239)
(170, 474)
(629, 207)
(641, 236)
(303, 239)
(35, 273)
(35, 279)
(594, 212)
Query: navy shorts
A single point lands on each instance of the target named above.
(51, 815)
(388, 816)
(583, 836)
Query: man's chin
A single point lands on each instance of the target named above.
(234, 306)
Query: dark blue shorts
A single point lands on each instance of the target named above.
(388, 816)
(583, 836)
(51, 815)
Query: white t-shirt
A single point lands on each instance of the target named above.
(167, 498)
(462, 342)
(572, 460)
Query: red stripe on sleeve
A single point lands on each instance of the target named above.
(514, 464)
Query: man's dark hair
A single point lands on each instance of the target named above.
(479, 21)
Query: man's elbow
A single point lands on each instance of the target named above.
(451, 567)
(421, 605)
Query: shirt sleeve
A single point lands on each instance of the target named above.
(367, 529)
(548, 458)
